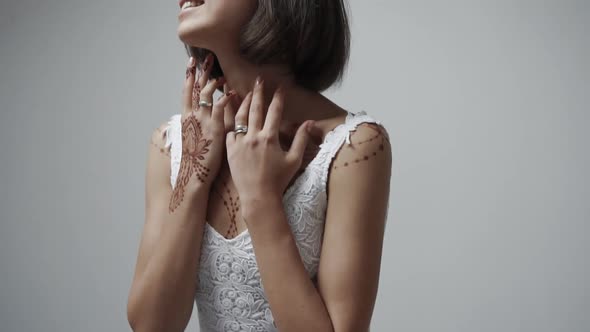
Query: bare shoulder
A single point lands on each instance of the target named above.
(365, 162)
(369, 147)
(158, 166)
(159, 138)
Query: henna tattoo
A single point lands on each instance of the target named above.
(197, 90)
(378, 129)
(159, 132)
(189, 71)
(160, 148)
(381, 133)
(197, 87)
(232, 207)
(194, 147)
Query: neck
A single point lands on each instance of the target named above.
(300, 104)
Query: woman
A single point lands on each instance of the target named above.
(246, 193)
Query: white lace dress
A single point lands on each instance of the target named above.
(230, 294)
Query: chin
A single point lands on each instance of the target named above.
(214, 22)
(193, 34)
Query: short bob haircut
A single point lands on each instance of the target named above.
(311, 36)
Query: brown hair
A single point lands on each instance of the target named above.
(311, 36)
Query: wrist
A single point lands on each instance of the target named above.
(251, 204)
(200, 191)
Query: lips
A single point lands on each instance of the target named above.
(181, 2)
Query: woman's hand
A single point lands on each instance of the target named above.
(258, 164)
(203, 130)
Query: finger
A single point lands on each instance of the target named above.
(299, 143)
(230, 109)
(206, 67)
(272, 123)
(201, 79)
(242, 114)
(236, 102)
(256, 116)
(226, 115)
(234, 107)
(218, 112)
(188, 84)
(230, 138)
(207, 92)
(211, 87)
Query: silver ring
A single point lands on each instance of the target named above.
(241, 129)
(205, 103)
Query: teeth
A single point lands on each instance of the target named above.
(188, 4)
(191, 4)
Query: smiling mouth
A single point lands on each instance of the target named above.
(189, 3)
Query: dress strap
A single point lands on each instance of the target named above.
(340, 135)
(174, 144)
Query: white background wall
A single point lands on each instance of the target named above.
(486, 103)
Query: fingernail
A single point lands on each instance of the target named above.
(258, 80)
(309, 126)
(191, 62)
(230, 93)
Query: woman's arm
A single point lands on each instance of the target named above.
(162, 293)
(348, 274)
(358, 196)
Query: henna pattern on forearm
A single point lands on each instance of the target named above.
(194, 147)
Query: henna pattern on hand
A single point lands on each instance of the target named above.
(194, 147)
(190, 71)
(197, 90)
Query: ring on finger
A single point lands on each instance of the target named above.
(241, 129)
(205, 103)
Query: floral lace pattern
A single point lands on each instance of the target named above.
(230, 293)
